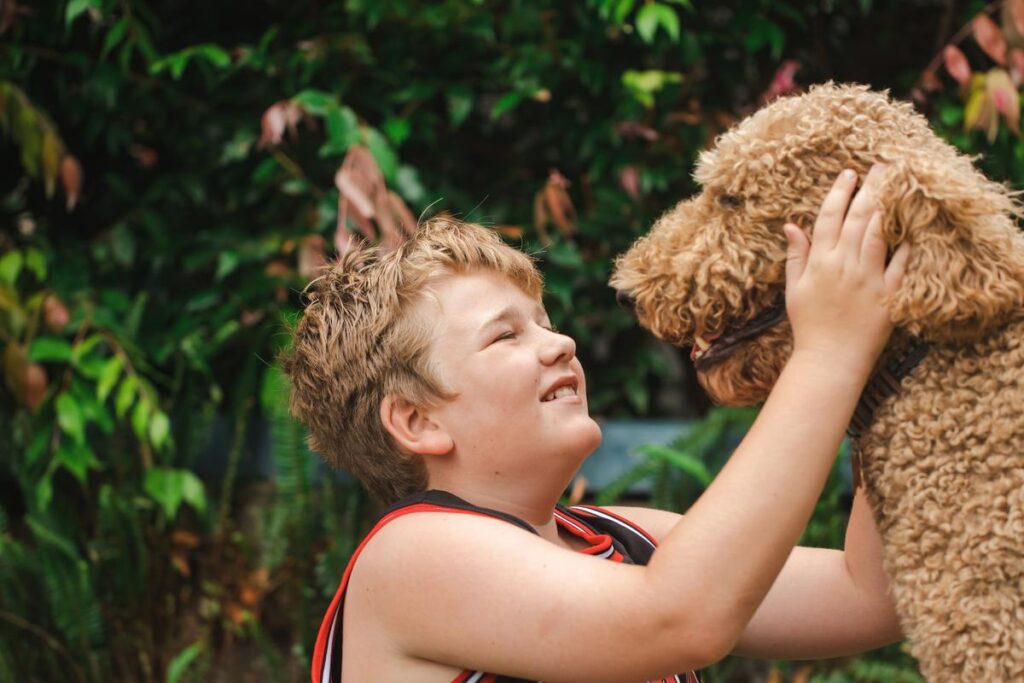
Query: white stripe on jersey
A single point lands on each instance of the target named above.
(573, 524)
(602, 515)
(325, 675)
(475, 677)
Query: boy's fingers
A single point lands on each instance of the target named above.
(863, 206)
(897, 268)
(796, 252)
(873, 247)
(830, 218)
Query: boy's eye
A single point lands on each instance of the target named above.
(505, 335)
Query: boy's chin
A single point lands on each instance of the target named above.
(586, 438)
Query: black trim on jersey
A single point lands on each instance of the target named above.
(450, 500)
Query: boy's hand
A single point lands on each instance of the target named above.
(836, 286)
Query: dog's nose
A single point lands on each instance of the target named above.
(626, 301)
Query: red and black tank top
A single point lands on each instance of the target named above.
(608, 536)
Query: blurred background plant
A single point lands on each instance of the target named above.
(175, 173)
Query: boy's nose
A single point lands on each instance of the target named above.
(559, 347)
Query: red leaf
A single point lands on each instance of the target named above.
(1016, 63)
(957, 65)
(629, 179)
(635, 129)
(312, 256)
(405, 218)
(359, 181)
(35, 386)
(783, 82)
(1016, 8)
(930, 81)
(272, 125)
(559, 205)
(55, 313)
(27, 381)
(71, 179)
(144, 156)
(280, 116)
(1005, 97)
(989, 37)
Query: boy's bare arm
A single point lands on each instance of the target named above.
(482, 594)
(825, 603)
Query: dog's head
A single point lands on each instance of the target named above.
(712, 270)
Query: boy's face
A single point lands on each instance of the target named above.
(521, 403)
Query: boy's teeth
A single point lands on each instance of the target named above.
(702, 343)
(560, 392)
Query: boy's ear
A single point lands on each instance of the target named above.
(413, 428)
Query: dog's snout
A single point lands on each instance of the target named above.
(626, 301)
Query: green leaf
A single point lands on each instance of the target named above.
(39, 445)
(565, 254)
(408, 185)
(140, 417)
(70, 418)
(505, 103)
(77, 459)
(460, 105)
(178, 64)
(113, 37)
(193, 491)
(170, 487)
(159, 429)
(397, 130)
(342, 131)
(214, 54)
(44, 490)
(53, 538)
(316, 102)
(125, 396)
(36, 260)
(951, 114)
(108, 377)
(227, 261)
(680, 460)
(765, 32)
(653, 15)
(10, 266)
(382, 153)
(182, 661)
(75, 10)
(82, 349)
(49, 350)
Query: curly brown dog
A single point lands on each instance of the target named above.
(942, 448)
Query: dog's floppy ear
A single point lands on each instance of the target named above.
(965, 277)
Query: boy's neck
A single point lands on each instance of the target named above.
(533, 507)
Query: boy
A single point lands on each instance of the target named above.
(435, 367)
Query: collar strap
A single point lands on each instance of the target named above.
(885, 383)
(765, 319)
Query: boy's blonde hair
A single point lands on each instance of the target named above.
(359, 340)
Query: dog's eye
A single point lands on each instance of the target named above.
(730, 201)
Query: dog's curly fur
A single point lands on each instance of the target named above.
(943, 460)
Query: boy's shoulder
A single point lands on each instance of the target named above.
(418, 561)
(469, 590)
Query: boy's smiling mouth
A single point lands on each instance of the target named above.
(566, 386)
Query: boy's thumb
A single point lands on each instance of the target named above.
(796, 252)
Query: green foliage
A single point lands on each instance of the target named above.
(195, 152)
